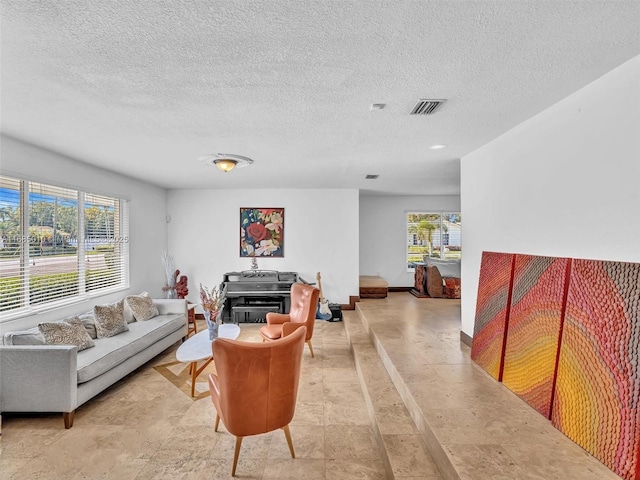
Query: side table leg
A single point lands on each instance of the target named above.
(194, 374)
(195, 371)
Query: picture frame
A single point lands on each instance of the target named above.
(261, 232)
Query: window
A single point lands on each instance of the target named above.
(435, 235)
(58, 245)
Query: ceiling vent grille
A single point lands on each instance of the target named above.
(426, 107)
(371, 177)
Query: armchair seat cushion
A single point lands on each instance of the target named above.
(272, 332)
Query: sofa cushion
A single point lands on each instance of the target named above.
(89, 323)
(142, 307)
(110, 352)
(69, 332)
(448, 268)
(24, 337)
(110, 319)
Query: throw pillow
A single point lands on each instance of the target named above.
(110, 319)
(89, 323)
(69, 332)
(142, 307)
(128, 314)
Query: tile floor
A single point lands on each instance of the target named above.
(148, 427)
(473, 426)
(145, 427)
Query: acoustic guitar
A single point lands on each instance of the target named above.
(323, 312)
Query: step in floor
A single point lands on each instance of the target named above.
(473, 427)
(404, 453)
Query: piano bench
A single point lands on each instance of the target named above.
(247, 309)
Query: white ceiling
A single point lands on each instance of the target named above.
(146, 87)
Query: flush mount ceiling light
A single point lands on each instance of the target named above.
(226, 161)
(437, 146)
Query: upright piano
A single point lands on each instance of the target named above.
(251, 294)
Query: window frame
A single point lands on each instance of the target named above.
(439, 229)
(121, 260)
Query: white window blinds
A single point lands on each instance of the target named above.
(58, 244)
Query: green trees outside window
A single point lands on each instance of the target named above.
(436, 235)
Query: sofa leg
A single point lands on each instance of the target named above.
(68, 419)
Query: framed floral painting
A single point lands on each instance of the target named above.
(262, 232)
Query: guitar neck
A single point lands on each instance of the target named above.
(320, 287)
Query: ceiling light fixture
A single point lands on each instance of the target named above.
(226, 161)
(437, 146)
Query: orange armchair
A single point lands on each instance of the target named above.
(304, 303)
(256, 386)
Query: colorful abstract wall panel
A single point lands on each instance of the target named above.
(535, 322)
(597, 386)
(491, 311)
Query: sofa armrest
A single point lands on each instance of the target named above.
(171, 305)
(434, 282)
(38, 378)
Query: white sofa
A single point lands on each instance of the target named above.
(36, 377)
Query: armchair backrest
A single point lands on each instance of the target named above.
(258, 382)
(304, 304)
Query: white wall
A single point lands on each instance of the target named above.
(147, 212)
(564, 183)
(383, 238)
(320, 234)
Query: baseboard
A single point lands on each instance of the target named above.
(352, 303)
(466, 339)
(399, 289)
(417, 294)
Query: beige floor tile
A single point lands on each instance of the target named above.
(408, 456)
(308, 442)
(146, 427)
(353, 469)
(294, 469)
(346, 442)
(309, 413)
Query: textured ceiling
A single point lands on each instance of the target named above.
(147, 87)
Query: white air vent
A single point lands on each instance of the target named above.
(426, 107)
(371, 177)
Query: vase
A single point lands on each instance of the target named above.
(213, 324)
(170, 292)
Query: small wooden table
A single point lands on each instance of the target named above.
(198, 348)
